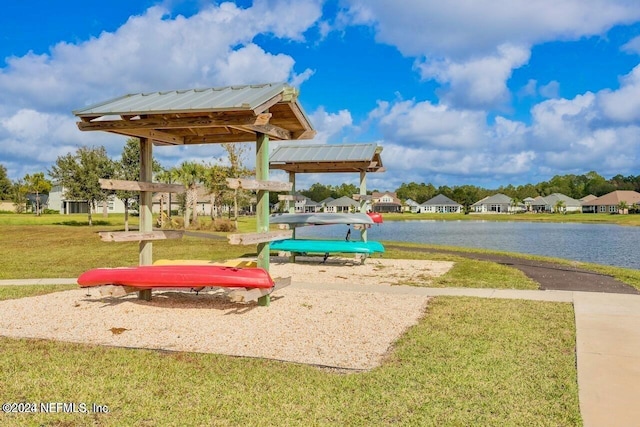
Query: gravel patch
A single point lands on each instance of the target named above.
(342, 329)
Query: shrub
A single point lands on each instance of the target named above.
(223, 225)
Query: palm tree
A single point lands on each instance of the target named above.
(559, 206)
(623, 207)
(189, 174)
(515, 203)
(164, 176)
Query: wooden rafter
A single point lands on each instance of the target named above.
(176, 123)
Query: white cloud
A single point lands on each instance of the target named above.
(329, 125)
(460, 29)
(473, 46)
(623, 105)
(550, 90)
(559, 122)
(632, 46)
(149, 52)
(427, 125)
(251, 64)
(478, 82)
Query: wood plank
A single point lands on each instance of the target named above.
(136, 236)
(253, 184)
(358, 197)
(271, 130)
(117, 184)
(254, 238)
(348, 166)
(308, 132)
(245, 137)
(162, 137)
(290, 197)
(176, 123)
(248, 295)
(116, 290)
(267, 104)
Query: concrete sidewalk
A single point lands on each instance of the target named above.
(607, 345)
(607, 341)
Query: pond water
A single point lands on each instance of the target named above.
(605, 244)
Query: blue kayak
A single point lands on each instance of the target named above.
(326, 246)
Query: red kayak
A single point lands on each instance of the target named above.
(376, 217)
(177, 276)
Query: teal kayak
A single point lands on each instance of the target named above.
(326, 246)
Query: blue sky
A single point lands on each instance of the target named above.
(488, 93)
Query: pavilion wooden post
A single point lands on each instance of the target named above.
(262, 208)
(292, 208)
(363, 201)
(146, 218)
(292, 180)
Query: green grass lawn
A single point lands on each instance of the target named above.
(468, 362)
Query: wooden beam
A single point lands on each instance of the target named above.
(248, 295)
(260, 109)
(116, 290)
(162, 137)
(252, 184)
(254, 238)
(219, 138)
(116, 184)
(308, 131)
(350, 166)
(358, 197)
(136, 236)
(176, 123)
(290, 197)
(271, 130)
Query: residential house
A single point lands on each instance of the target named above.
(385, 202)
(498, 203)
(440, 204)
(343, 204)
(7, 206)
(58, 202)
(550, 202)
(586, 207)
(306, 205)
(527, 203)
(411, 206)
(609, 203)
(324, 202)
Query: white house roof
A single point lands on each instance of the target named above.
(344, 201)
(552, 200)
(496, 199)
(440, 200)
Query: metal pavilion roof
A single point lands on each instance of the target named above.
(197, 116)
(327, 158)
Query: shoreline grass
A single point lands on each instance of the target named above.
(604, 218)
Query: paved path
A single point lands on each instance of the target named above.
(607, 345)
(607, 342)
(548, 274)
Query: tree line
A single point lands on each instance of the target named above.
(79, 172)
(574, 186)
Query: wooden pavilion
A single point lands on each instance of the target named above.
(329, 158)
(202, 116)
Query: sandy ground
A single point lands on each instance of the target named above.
(350, 330)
